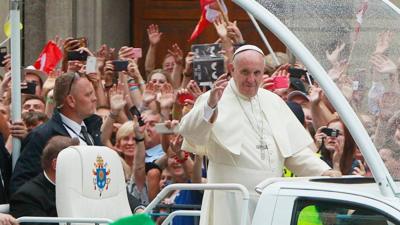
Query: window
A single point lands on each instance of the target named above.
(325, 212)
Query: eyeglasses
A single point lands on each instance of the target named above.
(75, 77)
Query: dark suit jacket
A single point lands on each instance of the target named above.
(28, 164)
(5, 169)
(37, 197)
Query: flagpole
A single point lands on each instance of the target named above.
(15, 74)
(264, 39)
(225, 15)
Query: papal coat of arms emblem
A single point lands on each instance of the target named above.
(101, 173)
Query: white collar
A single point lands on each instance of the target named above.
(237, 92)
(72, 124)
(47, 177)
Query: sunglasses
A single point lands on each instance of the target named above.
(75, 76)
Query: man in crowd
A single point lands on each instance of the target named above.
(249, 134)
(33, 103)
(73, 117)
(32, 75)
(37, 196)
(154, 151)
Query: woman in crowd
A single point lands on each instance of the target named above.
(338, 148)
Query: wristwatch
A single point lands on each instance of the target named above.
(139, 139)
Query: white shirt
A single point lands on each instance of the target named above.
(73, 129)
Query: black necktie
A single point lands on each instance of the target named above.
(86, 136)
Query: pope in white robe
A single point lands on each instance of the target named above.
(249, 134)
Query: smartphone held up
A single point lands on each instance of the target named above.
(279, 82)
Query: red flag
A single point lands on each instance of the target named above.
(48, 58)
(209, 12)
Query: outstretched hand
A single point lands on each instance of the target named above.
(217, 90)
(117, 99)
(154, 34)
(333, 57)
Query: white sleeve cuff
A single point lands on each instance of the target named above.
(208, 112)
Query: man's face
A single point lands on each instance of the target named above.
(84, 98)
(33, 78)
(247, 71)
(33, 105)
(151, 137)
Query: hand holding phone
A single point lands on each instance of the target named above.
(135, 112)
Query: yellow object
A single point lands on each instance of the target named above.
(309, 216)
(7, 28)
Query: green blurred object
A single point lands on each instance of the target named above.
(138, 219)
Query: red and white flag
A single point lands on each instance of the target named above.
(359, 18)
(49, 57)
(209, 13)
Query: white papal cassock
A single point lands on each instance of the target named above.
(230, 144)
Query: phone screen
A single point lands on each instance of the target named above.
(137, 53)
(91, 64)
(135, 112)
(3, 53)
(281, 82)
(120, 65)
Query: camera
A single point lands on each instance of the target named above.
(120, 65)
(331, 132)
(30, 88)
(296, 72)
(77, 55)
(3, 53)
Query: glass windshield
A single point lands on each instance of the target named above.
(357, 43)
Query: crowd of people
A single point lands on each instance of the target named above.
(228, 134)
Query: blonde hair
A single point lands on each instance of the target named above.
(126, 129)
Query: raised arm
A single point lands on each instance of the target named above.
(117, 103)
(139, 159)
(196, 125)
(154, 38)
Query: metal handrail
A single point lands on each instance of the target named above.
(224, 186)
(38, 219)
(180, 213)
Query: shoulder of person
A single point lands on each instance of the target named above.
(94, 122)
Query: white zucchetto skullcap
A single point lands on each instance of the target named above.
(248, 47)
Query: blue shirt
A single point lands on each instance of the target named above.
(154, 153)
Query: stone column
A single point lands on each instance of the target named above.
(34, 32)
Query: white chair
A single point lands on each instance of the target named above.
(90, 183)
